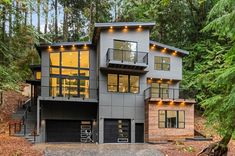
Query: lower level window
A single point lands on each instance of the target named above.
(171, 119)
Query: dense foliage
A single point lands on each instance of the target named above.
(206, 28)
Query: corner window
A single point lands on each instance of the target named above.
(123, 83)
(162, 63)
(171, 119)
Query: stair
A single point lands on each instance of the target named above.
(30, 116)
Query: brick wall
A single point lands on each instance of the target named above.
(154, 133)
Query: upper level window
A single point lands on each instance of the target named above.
(125, 45)
(125, 51)
(69, 59)
(171, 119)
(161, 63)
(123, 83)
(69, 73)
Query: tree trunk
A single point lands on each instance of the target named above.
(3, 22)
(217, 149)
(56, 18)
(65, 23)
(31, 14)
(25, 15)
(38, 14)
(10, 19)
(46, 16)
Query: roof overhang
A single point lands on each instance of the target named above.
(59, 44)
(35, 67)
(119, 25)
(34, 82)
(161, 45)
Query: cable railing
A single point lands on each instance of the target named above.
(126, 56)
(70, 91)
(169, 93)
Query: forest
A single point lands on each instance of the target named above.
(206, 28)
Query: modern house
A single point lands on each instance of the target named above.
(121, 87)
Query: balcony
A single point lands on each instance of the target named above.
(126, 59)
(170, 94)
(69, 92)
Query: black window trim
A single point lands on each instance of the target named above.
(60, 76)
(177, 119)
(129, 87)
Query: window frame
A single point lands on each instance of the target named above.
(129, 89)
(60, 67)
(125, 42)
(177, 119)
(161, 63)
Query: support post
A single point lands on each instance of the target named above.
(38, 116)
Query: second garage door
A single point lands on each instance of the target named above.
(62, 131)
(116, 131)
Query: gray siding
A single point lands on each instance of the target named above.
(121, 105)
(175, 72)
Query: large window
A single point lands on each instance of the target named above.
(69, 73)
(160, 90)
(162, 63)
(125, 50)
(123, 83)
(171, 119)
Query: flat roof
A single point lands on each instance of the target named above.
(122, 24)
(45, 45)
(184, 52)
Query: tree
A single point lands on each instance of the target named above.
(220, 107)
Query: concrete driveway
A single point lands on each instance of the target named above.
(63, 149)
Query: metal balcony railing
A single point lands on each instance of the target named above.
(126, 56)
(169, 93)
(69, 91)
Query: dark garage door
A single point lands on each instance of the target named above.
(139, 132)
(116, 131)
(62, 131)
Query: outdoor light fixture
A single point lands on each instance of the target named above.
(73, 45)
(125, 27)
(111, 27)
(140, 26)
(49, 47)
(61, 46)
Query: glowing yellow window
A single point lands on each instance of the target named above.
(69, 59)
(84, 59)
(55, 59)
(38, 75)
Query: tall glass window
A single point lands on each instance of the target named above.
(160, 90)
(69, 72)
(112, 82)
(123, 83)
(134, 84)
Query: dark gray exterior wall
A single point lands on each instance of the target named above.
(61, 111)
(121, 105)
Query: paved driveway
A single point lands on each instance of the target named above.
(99, 150)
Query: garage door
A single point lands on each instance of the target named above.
(116, 131)
(62, 131)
